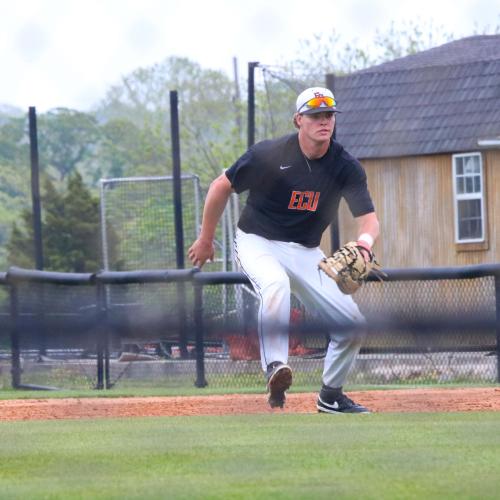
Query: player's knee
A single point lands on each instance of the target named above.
(279, 288)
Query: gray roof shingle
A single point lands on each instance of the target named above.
(441, 100)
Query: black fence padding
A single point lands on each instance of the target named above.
(65, 316)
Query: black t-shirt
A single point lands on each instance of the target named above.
(294, 199)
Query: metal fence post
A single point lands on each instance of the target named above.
(107, 368)
(251, 103)
(101, 315)
(14, 339)
(199, 335)
(104, 336)
(179, 228)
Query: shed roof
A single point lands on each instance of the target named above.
(440, 100)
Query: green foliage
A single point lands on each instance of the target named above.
(66, 139)
(119, 148)
(274, 105)
(209, 116)
(325, 53)
(13, 140)
(70, 230)
(127, 150)
(408, 38)
(21, 246)
(14, 196)
(7, 112)
(14, 176)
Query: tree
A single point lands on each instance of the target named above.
(207, 114)
(67, 138)
(408, 38)
(127, 150)
(118, 148)
(328, 53)
(70, 229)
(14, 144)
(21, 246)
(7, 112)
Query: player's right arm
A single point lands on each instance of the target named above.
(218, 194)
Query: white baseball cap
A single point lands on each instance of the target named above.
(315, 100)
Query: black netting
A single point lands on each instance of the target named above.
(4, 337)
(404, 355)
(275, 93)
(57, 329)
(150, 333)
(138, 224)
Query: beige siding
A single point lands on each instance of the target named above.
(413, 197)
(492, 166)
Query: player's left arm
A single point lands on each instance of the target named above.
(368, 230)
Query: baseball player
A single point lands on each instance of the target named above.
(295, 184)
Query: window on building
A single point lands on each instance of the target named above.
(468, 185)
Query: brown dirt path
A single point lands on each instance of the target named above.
(411, 400)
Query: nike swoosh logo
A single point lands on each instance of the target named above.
(334, 406)
(284, 167)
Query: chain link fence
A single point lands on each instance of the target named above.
(138, 224)
(52, 330)
(394, 355)
(136, 330)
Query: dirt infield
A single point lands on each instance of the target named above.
(413, 400)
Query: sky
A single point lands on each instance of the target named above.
(67, 53)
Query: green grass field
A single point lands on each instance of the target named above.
(453, 455)
(190, 390)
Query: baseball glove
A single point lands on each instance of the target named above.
(349, 268)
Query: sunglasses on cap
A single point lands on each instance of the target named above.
(316, 102)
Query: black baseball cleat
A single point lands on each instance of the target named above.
(279, 379)
(342, 404)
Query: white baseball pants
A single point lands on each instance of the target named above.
(278, 268)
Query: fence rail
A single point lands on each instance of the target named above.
(101, 309)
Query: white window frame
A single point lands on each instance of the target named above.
(469, 196)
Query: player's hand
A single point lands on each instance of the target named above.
(201, 251)
(366, 251)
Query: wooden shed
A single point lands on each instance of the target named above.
(426, 127)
